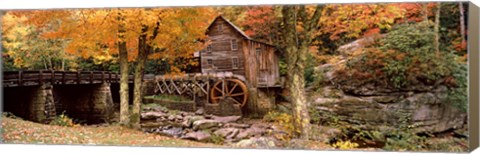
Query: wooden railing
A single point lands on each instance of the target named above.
(26, 78)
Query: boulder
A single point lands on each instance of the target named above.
(237, 125)
(178, 117)
(260, 142)
(325, 133)
(172, 131)
(152, 115)
(427, 111)
(205, 124)
(226, 119)
(252, 131)
(171, 117)
(227, 133)
(188, 120)
(197, 136)
(348, 49)
(200, 111)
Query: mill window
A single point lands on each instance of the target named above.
(209, 49)
(209, 63)
(234, 44)
(234, 62)
(220, 27)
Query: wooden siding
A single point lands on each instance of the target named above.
(222, 52)
(261, 66)
(260, 69)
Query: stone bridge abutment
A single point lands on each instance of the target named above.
(88, 103)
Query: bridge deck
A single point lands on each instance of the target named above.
(30, 78)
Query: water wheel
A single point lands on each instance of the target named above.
(232, 88)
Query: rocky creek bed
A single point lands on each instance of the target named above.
(198, 126)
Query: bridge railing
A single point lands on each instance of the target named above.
(21, 78)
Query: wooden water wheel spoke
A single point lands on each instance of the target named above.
(217, 97)
(225, 87)
(237, 94)
(219, 90)
(234, 89)
(236, 102)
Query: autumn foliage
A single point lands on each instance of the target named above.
(93, 32)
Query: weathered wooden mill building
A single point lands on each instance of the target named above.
(237, 74)
(231, 50)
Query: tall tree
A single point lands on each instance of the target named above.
(462, 21)
(436, 28)
(299, 25)
(425, 11)
(123, 60)
(174, 34)
(170, 33)
(29, 49)
(263, 23)
(357, 20)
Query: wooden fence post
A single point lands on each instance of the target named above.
(20, 78)
(91, 77)
(78, 77)
(52, 75)
(40, 81)
(103, 76)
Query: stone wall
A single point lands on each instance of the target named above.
(223, 108)
(33, 103)
(188, 106)
(260, 102)
(86, 103)
(41, 107)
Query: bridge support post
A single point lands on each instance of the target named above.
(102, 103)
(42, 105)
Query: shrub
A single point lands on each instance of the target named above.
(403, 138)
(63, 120)
(216, 139)
(10, 115)
(282, 67)
(404, 141)
(345, 145)
(404, 58)
(457, 96)
(285, 122)
(166, 97)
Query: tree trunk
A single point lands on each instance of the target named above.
(50, 63)
(436, 28)
(138, 79)
(45, 63)
(462, 21)
(296, 69)
(425, 12)
(123, 60)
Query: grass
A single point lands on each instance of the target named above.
(169, 97)
(153, 105)
(17, 131)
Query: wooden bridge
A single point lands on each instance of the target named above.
(39, 77)
(41, 94)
